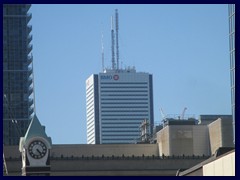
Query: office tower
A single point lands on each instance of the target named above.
(117, 104)
(231, 14)
(118, 101)
(18, 101)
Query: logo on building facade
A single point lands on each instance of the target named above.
(106, 77)
(115, 77)
(110, 77)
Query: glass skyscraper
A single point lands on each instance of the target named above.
(231, 14)
(18, 90)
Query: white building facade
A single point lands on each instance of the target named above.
(117, 103)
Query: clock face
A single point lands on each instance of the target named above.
(37, 149)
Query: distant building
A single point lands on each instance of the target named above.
(187, 137)
(220, 134)
(182, 148)
(208, 119)
(18, 101)
(183, 138)
(117, 103)
(231, 13)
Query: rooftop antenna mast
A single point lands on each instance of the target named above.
(117, 47)
(113, 55)
(102, 53)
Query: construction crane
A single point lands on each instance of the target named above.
(163, 115)
(184, 110)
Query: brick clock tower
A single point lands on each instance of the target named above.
(35, 149)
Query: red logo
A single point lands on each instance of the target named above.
(115, 77)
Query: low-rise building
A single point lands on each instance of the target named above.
(221, 134)
(183, 138)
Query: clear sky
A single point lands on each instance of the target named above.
(185, 47)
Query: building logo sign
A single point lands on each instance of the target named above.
(110, 77)
(106, 77)
(115, 77)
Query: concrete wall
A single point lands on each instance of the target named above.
(201, 143)
(79, 150)
(183, 139)
(224, 166)
(104, 149)
(138, 166)
(208, 119)
(220, 134)
(77, 165)
(163, 141)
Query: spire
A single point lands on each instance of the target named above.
(102, 53)
(112, 36)
(35, 129)
(117, 47)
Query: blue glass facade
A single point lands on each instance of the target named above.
(231, 14)
(18, 101)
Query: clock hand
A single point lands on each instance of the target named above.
(38, 151)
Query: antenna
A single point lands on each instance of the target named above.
(102, 53)
(117, 47)
(112, 34)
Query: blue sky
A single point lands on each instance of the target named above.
(185, 47)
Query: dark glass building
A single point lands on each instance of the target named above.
(231, 14)
(18, 89)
